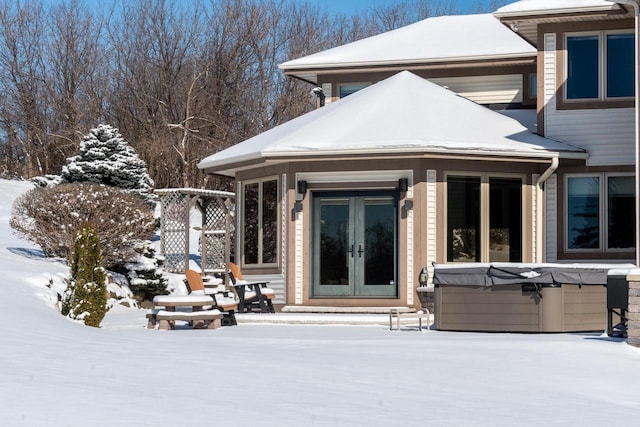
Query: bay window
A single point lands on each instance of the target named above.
(484, 218)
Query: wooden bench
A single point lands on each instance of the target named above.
(396, 314)
(209, 319)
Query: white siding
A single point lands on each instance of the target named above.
(298, 257)
(326, 89)
(431, 222)
(535, 195)
(551, 214)
(275, 282)
(283, 242)
(485, 89)
(607, 134)
(410, 278)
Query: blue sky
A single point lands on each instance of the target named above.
(355, 6)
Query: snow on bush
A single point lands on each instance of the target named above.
(50, 216)
(146, 277)
(104, 158)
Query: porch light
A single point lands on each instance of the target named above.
(302, 189)
(403, 185)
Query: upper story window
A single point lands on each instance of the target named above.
(260, 222)
(350, 88)
(600, 212)
(600, 66)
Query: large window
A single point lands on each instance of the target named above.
(600, 212)
(260, 232)
(484, 219)
(600, 66)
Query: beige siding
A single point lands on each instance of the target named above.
(485, 89)
(607, 134)
(567, 308)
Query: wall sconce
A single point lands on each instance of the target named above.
(403, 185)
(301, 190)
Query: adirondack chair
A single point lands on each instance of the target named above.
(223, 302)
(251, 296)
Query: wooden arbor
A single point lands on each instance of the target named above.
(216, 228)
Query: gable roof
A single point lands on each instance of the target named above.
(437, 39)
(548, 7)
(404, 114)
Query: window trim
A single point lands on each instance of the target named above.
(485, 219)
(603, 210)
(240, 246)
(602, 71)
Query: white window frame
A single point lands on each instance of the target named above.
(485, 224)
(241, 242)
(603, 207)
(602, 65)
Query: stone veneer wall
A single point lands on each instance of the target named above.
(633, 323)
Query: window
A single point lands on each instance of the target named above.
(260, 237)
(533, 86)
(484, 219)
(600, 66)
(600, 212)
(345, 90)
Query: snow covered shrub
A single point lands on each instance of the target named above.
(50, 216)
(146, 278)
(105, 158)
(47, 180)
(86, 295)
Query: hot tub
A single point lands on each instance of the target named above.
(506, 297)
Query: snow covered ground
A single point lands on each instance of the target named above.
(55, 372)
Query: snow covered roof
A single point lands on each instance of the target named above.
(545, 7)
(402, 114)
(437, 39)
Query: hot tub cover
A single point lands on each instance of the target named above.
(478, 274)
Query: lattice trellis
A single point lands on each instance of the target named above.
(217, 209)
(217, 227)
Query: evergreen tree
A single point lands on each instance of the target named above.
(86, 295)
(106, 158)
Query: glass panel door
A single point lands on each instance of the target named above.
(332, 246)
(354, 245)
(378, 236)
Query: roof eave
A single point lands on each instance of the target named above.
(231, 166)
(581, 155)
(413, 61)
(558, 11)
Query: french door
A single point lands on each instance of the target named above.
(354, 250)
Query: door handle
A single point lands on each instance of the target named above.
(360, 250)
(350, 251)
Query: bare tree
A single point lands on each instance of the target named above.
(21, 103)
(75, 78)
(181, 80)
